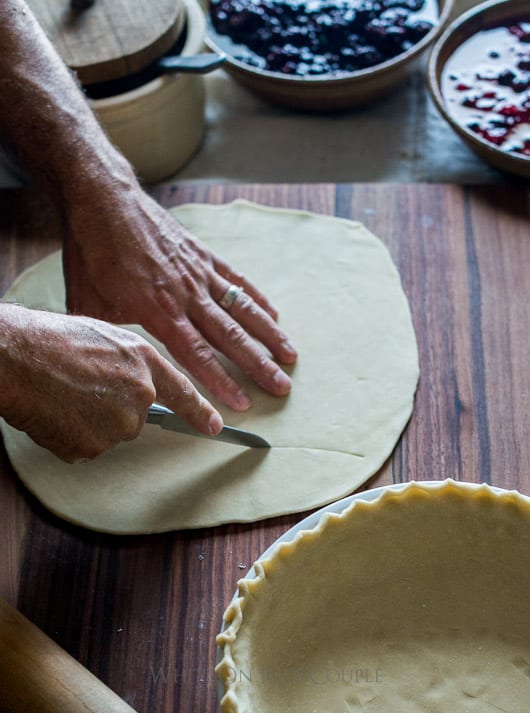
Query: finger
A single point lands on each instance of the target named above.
(175, 390)
(194, 354)
(232, 276)
(261, 326)
(230, 338)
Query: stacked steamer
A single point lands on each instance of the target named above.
(113, 46)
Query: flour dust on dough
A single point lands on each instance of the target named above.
(342, 304)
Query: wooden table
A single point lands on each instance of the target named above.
(142, 612)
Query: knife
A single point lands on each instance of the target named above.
(168, 420)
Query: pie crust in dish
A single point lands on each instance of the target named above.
(414, 602)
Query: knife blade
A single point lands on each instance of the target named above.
(168, 420)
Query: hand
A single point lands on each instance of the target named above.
(127, 260)
(78, 386)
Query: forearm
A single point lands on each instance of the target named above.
(11, 355)
(32, 344)
(45, 121)
(125, 259)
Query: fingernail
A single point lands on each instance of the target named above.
(244, 401)
(282, 380)
(215, 424)
(290, 349)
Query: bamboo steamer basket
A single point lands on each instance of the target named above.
(160, 124)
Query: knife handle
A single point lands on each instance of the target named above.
(37, 675)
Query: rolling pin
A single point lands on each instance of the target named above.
(37, 675)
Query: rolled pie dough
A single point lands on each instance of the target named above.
(341, 303)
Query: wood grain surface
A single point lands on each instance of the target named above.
(142, 612)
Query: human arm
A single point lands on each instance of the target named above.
(78, 386)
(125, 259)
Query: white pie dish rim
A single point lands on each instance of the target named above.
(311, 521)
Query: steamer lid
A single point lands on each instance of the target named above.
(110, 39)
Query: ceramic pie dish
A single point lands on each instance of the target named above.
(409, 598)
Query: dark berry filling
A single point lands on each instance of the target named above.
(494, 85)
(315, 37)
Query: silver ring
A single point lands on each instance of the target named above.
(230, 296)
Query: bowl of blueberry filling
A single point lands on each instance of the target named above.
(479, 78)
(323, 55)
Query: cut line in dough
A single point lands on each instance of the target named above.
(342, 304)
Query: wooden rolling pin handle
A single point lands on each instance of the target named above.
(37, 676)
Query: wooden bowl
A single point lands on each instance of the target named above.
(478, 18)
(328, 93)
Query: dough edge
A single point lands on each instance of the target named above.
(78, 517)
